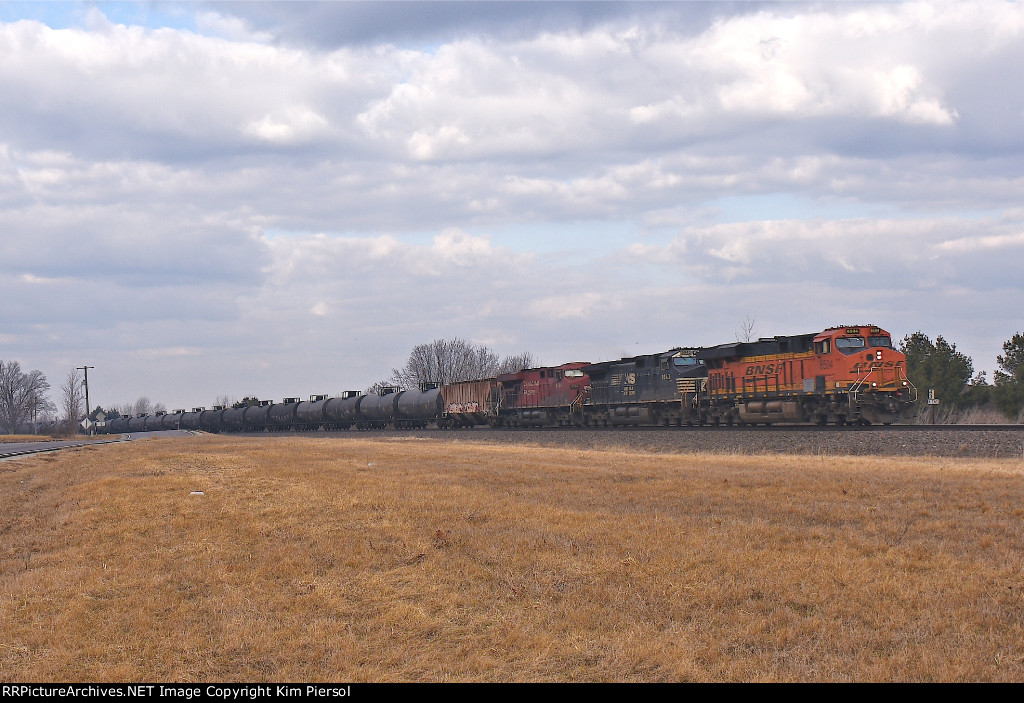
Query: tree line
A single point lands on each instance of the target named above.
(25, 406)
(962, 393)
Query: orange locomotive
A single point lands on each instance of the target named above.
(842, 375)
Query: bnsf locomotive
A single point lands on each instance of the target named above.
(844, 374)
(841, 375)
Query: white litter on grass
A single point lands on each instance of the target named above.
(197, 493)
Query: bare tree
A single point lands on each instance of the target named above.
(378, 387)
(746, 331)
(444, 361)
(517, 362)
(72, 398)
(22, 395)
(142, 406)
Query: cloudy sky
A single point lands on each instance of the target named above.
(229, 198)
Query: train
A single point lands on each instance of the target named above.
(842, 375)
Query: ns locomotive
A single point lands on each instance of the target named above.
(848, 374)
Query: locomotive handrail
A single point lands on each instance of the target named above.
(860, 381)
(911, 388)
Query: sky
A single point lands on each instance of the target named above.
(206, 199)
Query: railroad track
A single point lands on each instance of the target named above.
(896, 440)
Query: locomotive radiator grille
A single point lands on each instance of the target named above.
(689, 385)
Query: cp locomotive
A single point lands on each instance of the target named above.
(848, 374)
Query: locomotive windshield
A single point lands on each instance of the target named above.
(849, 345)
(684, 361)
(880, 342)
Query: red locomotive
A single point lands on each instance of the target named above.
(842, 375)
(545, 396)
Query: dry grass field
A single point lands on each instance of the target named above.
(414, 560)
(11, 438)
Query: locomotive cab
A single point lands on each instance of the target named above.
(861, 364)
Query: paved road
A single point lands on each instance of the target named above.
(12, 450)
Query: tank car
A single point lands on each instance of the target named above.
(137, 423)
(341, 413)
(377, 411)
(256, 415)
(233, 418)
(418, 408)
(210, 420)
(172, 420)
(118, 424)
(840, 375)
(191, 420)
(282, 415)
(309, 415)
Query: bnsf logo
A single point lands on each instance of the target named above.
(763, 369)
(867, 365)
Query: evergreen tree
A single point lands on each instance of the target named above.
(939, 366)
(1009, 389)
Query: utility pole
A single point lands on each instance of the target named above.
(86, 384)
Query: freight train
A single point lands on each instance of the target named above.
(842, 375)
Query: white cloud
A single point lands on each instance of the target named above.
(226, 207)
(287, 126)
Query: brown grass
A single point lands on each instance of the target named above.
(9, 438)
(411, 560)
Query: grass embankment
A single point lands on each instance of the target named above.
(376, 560)
(11, 438)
